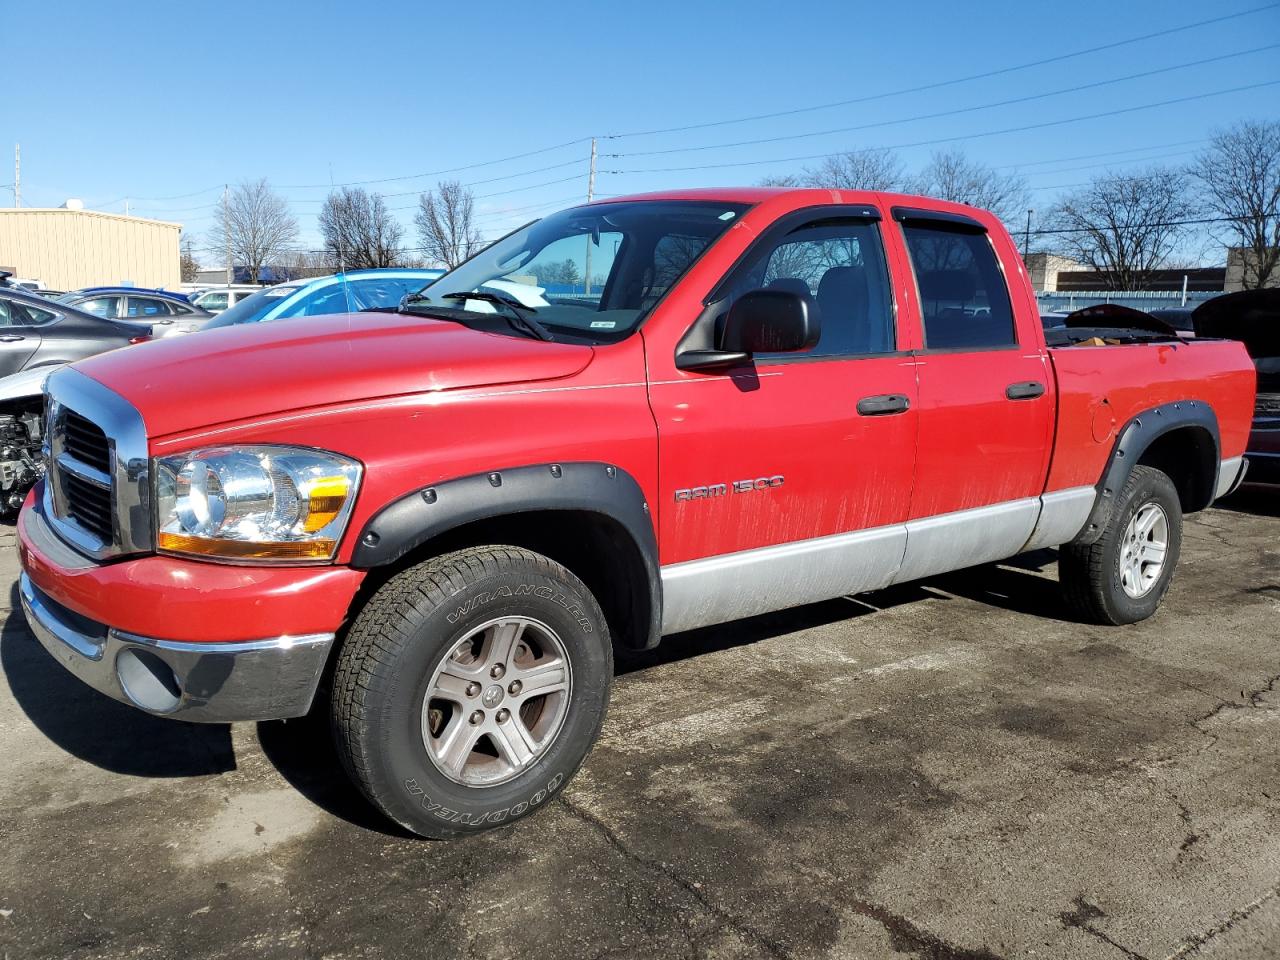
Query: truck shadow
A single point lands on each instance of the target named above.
(97, 729)
(1258, 500)
(121, 739)
(1015, 585)
(303, 754)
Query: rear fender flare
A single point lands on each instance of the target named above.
(1133, 440)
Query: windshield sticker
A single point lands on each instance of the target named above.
(603, 324)
(728, 215)
(279, 292)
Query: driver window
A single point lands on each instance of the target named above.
(839, 268)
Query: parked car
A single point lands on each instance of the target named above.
(451, 509)
(1253, 318)
(217, 299)
(164, 312)
(37, 337)
(338, 293)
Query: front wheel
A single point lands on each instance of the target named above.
(470, 689)
(1124, 575)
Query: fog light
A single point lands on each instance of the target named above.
(147, 680)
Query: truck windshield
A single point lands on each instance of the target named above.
(592, 271)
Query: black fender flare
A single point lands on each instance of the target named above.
(592, 487)
(1132, 441)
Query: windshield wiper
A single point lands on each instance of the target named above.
(520, 316)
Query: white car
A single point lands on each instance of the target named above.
(218, 299)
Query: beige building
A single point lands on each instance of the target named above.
(68, 249)
(1237, 258)
(1043, 269)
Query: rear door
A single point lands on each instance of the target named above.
(986, 399)
(19, 333)
(788, 480)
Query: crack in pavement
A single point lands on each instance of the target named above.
(661, 869)
(1193, 944)
(906, 936)
(1253, 698)
(1080, 918)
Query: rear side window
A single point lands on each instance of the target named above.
(963, 298)
(26, 315)
(144, 307)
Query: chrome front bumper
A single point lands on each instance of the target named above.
(206, 682)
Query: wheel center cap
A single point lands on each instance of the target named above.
(492, 697)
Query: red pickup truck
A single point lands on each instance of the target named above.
(435, 521)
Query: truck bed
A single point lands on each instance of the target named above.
(1101, 388)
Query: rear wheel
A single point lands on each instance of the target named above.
(1124, 575)
(470, 688)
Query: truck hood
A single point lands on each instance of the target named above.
(256, 370)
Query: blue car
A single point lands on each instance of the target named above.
(347, 292)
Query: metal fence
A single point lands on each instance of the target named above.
(1061, 302)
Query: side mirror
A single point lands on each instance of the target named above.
(760, 321)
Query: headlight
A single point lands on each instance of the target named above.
(254, 502)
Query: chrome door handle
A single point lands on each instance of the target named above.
(11, 338)
(1026, 390)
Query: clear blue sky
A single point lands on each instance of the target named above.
(150, 100)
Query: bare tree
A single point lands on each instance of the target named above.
(303, 264)
(1124, 226)
(187, 262)
(1239, 177)
(951, 175)
(254, 226)
(358, 230)
(781, 180)
(871, 169)
(446, 224)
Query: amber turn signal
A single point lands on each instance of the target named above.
(245, 549)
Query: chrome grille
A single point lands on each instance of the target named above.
(97, 494)
(88, 504)
(85, 441)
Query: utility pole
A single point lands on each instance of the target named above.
(591, 191)
(17, 175)
(226, 231)
(1026, 239)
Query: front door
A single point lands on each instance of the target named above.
(787, 480)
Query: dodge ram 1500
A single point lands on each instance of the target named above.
(435, 521)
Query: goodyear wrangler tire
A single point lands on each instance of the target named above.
(470, 689)
(1123, 576)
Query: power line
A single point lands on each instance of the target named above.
(1109, 165)
(947, 113)
(959, 137)
(1048, 231)
(864, 99)
(437, 173)
(1107, 153)
(946, 83)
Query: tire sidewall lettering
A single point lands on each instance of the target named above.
(480, 818)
